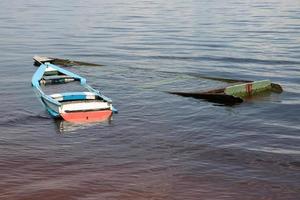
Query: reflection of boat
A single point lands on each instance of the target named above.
(87, 105)
(69, 127)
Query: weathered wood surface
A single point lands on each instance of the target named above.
(62, 62)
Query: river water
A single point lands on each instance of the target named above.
(159, 146)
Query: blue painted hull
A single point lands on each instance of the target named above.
(54, 103)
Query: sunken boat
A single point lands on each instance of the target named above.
(87, 104)
(234, 94)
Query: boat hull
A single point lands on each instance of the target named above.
(80, 116)
(90, 116)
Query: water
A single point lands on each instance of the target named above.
(159, 146)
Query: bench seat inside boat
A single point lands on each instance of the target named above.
(71, 96)
(55, 77)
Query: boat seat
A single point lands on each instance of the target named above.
(56, 79)
(70, 96)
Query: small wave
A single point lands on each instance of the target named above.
(228, 60)
(277, 150)
(23, 117)
(88, 55)
(257, 157)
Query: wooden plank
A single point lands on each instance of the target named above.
(62, 62)
(42, 59)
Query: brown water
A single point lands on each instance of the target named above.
(159, 146)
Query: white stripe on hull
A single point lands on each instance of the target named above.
(81, 106)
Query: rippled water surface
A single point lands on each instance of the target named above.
(159, 146)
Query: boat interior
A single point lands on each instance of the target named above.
(66, 89)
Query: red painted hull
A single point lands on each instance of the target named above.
(91, 116)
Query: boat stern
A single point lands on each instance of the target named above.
(86, 111)
(87, 116)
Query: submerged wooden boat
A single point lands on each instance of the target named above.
(86, 105)
(234, 94)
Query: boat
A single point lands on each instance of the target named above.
(88, 104)
(234, 94)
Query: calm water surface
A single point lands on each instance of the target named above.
(159, 146)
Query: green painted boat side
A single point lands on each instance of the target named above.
(248, 89)
(234, 94)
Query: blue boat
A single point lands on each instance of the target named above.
(88, 105)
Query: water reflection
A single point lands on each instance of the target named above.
(65, 127)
